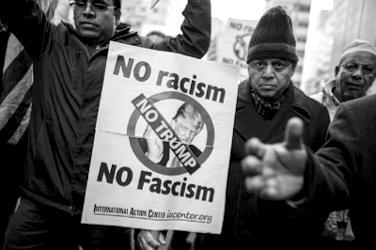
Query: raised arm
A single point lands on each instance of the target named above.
(26, 20)
(196, 29)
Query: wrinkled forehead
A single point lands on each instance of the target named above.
(361, 57)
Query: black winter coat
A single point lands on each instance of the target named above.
(253, 223)
(342, 174)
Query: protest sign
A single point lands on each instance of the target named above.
(232, 44)
(153, 3)
(162, 144)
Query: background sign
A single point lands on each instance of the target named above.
(232, 44)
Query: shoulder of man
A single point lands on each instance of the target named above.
(244, 94)
(319, 96)
(361, 105)
(310, 106)
(302, 99)
(124, 34)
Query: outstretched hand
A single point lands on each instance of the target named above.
(275, 171)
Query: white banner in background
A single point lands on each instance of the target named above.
(232, 44)
(162, 144)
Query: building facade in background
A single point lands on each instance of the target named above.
(319, 51)
(134, 12)
(317, 61)
(217, 29)
(352, 19)
(144, 19)
(347, 21)
(299, 11)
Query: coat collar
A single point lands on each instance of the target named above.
(244, 113)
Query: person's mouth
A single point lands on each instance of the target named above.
(267, 87)
(88, 25)
(353, 86)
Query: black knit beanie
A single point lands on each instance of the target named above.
(117, 4)
(273, 37)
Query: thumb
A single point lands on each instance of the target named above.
(162, 238)
(294, 134)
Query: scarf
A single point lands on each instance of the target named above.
(267, 108)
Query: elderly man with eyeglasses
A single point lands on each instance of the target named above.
(354, 75)
(69, 64)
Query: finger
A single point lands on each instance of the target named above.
(294, 133)
(255, 147)
(251, 165)
(270, 193)
(142, 242)
(269, 189)
(162, 238)
(254, 184)
(271, 183)
(147, 131)
(268, 172)
(150, 240)
(146, 246)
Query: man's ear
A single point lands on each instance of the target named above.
(117, 14)
(336, 70)
(293, 68)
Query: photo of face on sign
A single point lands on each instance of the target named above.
(162, 145)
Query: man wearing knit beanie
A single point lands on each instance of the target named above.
(266, 101)
(272, 47)
(273, 37)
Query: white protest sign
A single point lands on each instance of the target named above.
(162, 144)
(153, 3)
(232, 44)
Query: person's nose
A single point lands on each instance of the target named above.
(268, 71)
(88, 10)
(358, 74)
(184, 135)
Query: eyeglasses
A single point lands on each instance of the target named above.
(96, 6)
(351, 68)
(277, 65)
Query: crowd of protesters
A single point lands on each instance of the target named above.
(301, 168)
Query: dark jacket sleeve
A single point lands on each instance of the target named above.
(321, 128)
(329, 172)
(4, 35)
(26, 20)
(196, 29)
